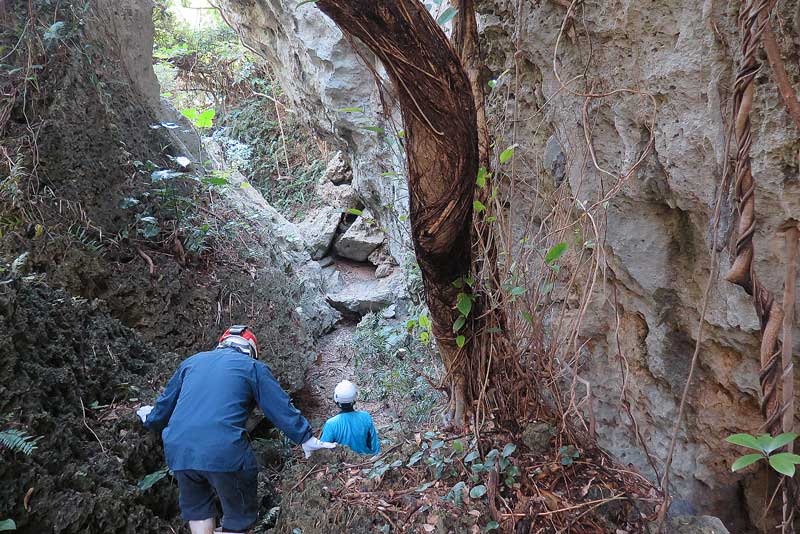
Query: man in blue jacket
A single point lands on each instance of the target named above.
(351, 428)
(201, 416)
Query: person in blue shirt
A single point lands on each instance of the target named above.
(351, 428)
(201, 416)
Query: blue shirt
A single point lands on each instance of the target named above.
(354, 429)
(203, 410)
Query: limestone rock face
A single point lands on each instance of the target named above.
(331, 88)
(364, 296)
(319, 229)
(361, 239)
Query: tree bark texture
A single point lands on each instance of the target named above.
(442, 151)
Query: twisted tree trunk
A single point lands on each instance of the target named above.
(442, 149)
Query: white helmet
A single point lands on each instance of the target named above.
(345, 392)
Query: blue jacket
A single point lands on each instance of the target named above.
(203, 410)
(354, 429)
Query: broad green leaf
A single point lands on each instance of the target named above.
(459, 323)
(763, 441)
(471, 456)
(481, 181)
(492, 84)
(438, 444)
(350, 110)
(464, 304)
(401, 134)
(556, 252)
(411, 324)
(517, 291)
(216, 181)
(190, 114)
(424, 322)
(245, 185)
(458, 446)
(424, 337)
(447, 15)
(458, 283)
(425, 486)
(148, 481)
(491, 218)
(478, 206)
(507, 154)
(469, 281)
(8, 524)
(477, 492)
(375, 129)
(784, 463)
(746, 460)
(508, 450)
(780, 440)
(461, 341)
(354, 211)
(205, 119)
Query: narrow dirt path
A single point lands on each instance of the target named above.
(336, 358)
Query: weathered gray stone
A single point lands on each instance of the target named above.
(319, 229)
(337, 171)
(554, 160)
(381, 255)
(383, 270)
(338, 196)
(365, 296)
(361, 239)
(701, 524)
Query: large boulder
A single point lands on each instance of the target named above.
(338, 171)
(361, 239)
(364, 296)
(319, 229)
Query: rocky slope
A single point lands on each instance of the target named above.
(679, 54)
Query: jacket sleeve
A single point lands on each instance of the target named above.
(329, 432)
(375, 443)
(277, 406)
(165, 405)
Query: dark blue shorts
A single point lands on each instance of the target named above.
(237, 493)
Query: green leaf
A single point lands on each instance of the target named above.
(459, 324)
(746, 460)
(245, 185)
(190, 114)
(8, 524)
(481, 181)
(424, 322)
(354, 211)
(425, 486)
(780, 440)
(206, 119)
(401, 134)
(556, 252)
(438, 444)
(148, 481)
(784, 463)
(527, 316)
(216, 181)
(458, 446)
(491, 525)
(478, 206)
(492, 84)
(471, 456)
(424, 337)
(507, 154)
(508, 450)
(416, 457)
(477, 492)
(461, 341)
(744, 440)
(350, 110)
(447, 15)
(375, 129)
(464, 304)
(517, 291)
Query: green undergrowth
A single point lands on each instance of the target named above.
(392, 366)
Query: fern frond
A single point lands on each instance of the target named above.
(17, 441)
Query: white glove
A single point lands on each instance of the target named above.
(313, 444)
(143, 412)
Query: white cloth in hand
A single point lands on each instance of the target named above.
(313, 444)
(143, 412)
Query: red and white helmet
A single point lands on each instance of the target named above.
(240, 337)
